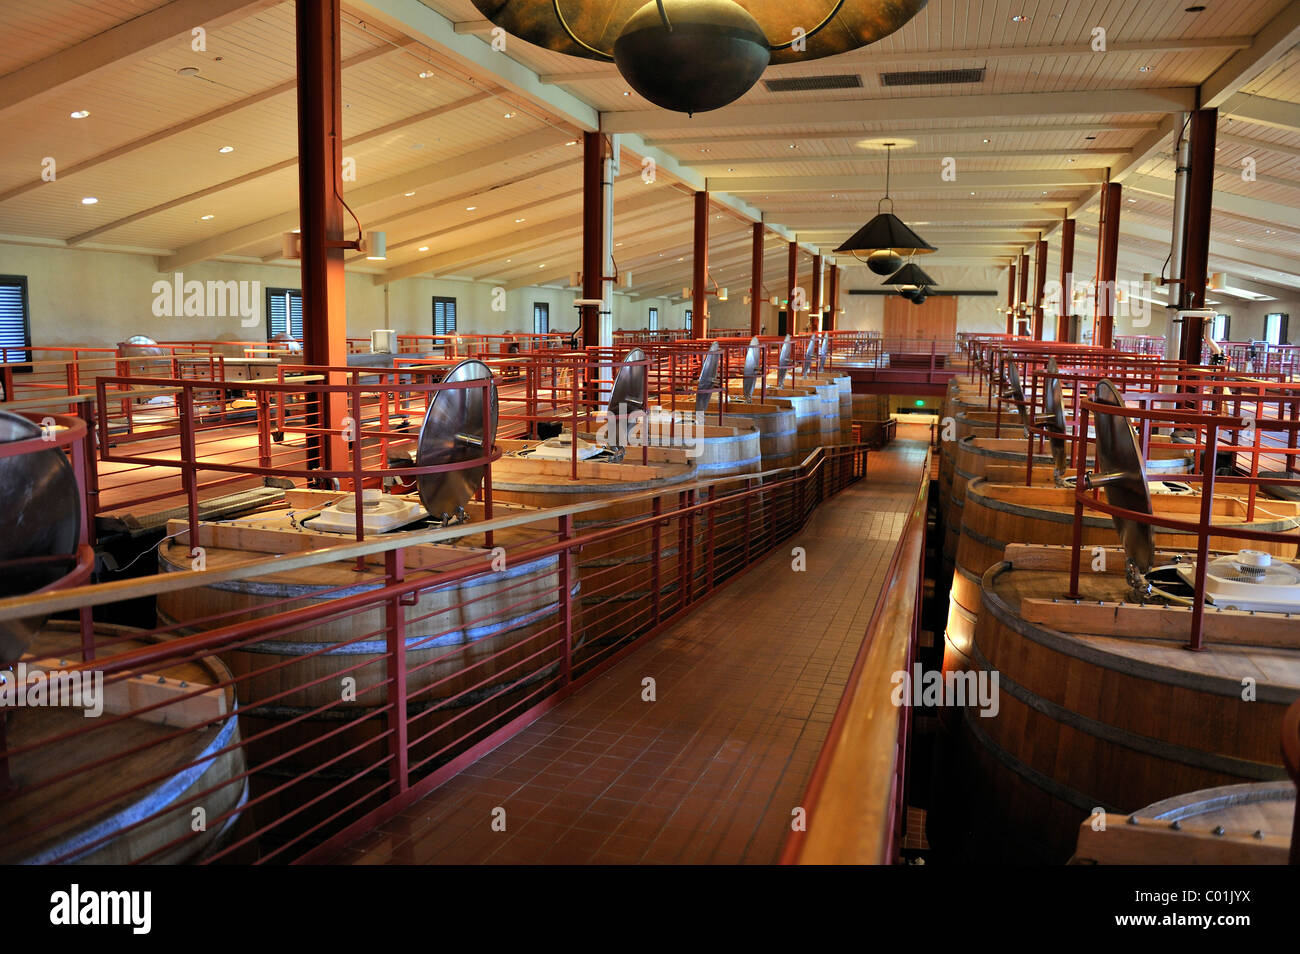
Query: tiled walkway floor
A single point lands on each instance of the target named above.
(709, 772)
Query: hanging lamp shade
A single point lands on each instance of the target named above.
(912, 275)
(886, 240)
(696, 55)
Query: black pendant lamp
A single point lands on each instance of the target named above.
(886, 240)
(915, 284)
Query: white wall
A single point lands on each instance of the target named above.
(101, 298)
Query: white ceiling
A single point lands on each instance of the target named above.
(495, 131)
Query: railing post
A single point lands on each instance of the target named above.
(566, 599)
(711, 538)
(749, 503)
(395, 630)
(656, 568)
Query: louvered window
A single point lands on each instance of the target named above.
(15, 334)
(284, 312)
(444, 316)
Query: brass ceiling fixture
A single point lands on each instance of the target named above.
(695, 55)
(886, 239)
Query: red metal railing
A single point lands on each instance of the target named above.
(856, 798)
(445, 654)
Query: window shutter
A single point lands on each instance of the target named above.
(13, 321)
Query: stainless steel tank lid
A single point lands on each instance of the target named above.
(453, 432)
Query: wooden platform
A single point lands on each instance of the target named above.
(746, 686)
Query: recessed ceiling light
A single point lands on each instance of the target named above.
(207, 217)
(188, 71)
(627, 92)
(1144, 69)
(89, 200)
(1020, 18)
(470, 208)
(80, 114)
(426, 75)
(794, 145)
(618, 244)
(1132, 200)
(518, 221)
(408, 194)
(543, 265)
(424, 248)
(972, 193)
(986, 140)
(572, 142)
(509, 116)
(1069, 160)
(226, 149)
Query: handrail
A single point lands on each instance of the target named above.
(20, 607)
(1291, 756)
(855, 797)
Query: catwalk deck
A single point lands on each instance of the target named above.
(709, 772)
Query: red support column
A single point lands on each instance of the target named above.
(1196, 240)
(1011, 300)
(815, 305)
(832, 315)
(1040, 284)
(756, 292)
(1022, 299)
(1067, 280)
(320, 185)
(792, 316)
(593, 232)
(1105, 334)
(699, 281)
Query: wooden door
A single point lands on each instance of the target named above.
(935, 319)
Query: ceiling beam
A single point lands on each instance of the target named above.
(984, 131)
(912, 108)
(1258, 144)
(1268, 46)
(1238, 206)
(273, 168)
(1225, 251)
(911, 57)
(543, 232)
(706, 165)
(467, 51)
(127, 41)
(914, 182)
(186, 125)
(1261, 111)
(435, 173)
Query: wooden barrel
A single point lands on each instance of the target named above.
(997, 514)
(870, 407)
(1002, 461)
(1106, 721)
(806, 405)
(500, 630)
(844, 392)
(1230, 825)
(988, 423)
(618, 596)
(778, 431)
(187, 771)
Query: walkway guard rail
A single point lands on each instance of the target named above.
(855, 802)
(431, 692)
(1206, 424)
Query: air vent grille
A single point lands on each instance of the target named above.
(795, 84)
(932, 77)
